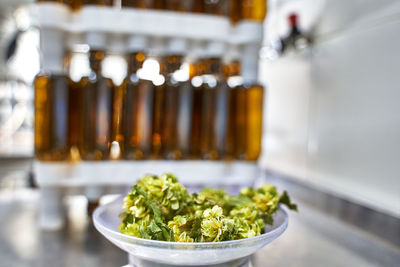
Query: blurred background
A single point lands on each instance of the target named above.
(299, 93)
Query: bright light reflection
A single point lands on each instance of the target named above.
(150, 70)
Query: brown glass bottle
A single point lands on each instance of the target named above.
(240, 123)
(174, 5)
(254, 110)
(196, 69)
(141, 4)
(232, 69)
(184, 117)
(75, 5)
(51, 117)
(253, 99)
(210, 125)
(74, 111)
(159, 4)
(235, 11)
(98, 2)
(55, 1)
(185, 5)
(137, 108)
(216, 7)
(96, 117)
(158, 115)
(196, 6)
(117, 138)
(222, 114)
(74, 118)
(255, 10)
(171, 105)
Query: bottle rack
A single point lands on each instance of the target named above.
(117, 23)
(94, 178)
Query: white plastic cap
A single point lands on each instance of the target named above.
(214, 49)
(137, 43)
(158, 47)
(246, 32)
(196, 50)
(249, 68)
(96, 40)
(177, 46)
(117, 44)
(72, 40)
(233, 53)
(52, 50)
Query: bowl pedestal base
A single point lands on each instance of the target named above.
(137, 262)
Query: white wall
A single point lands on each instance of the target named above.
(333, 114)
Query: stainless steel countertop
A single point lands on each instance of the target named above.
(313, 238)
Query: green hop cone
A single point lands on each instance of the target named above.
(160, 208)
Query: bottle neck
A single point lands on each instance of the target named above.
(249, 63)
(52, 51)
(171, 63)
(232, 69)
(95, 60)
(232, 74)
(175, 5)
(216, 7)
(135, 62)
(67, 62)
(212, 66)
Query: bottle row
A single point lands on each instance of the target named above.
(236, 10)
(210, 114)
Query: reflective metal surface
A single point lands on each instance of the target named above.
(313, 238)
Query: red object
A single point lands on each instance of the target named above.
(293, 20)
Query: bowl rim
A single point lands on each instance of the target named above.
(184, 245)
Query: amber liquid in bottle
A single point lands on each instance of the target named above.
(159, 4)
(75, 5)
(55, 1)
(98, 2)
(216, 7)
(254, 111)
(207, 142)
(97, 106)
(51, 117)
(196, 70)
(240, 123)
(230, 145)
(255, 10)
(74, 118)
(195, 136)
(157, 121)
(231, 70)
(141, 4)
(210, 130)
(175, 5)
(117, 137)
(196, 6)
(235, 11)
(137, 108)
(172, 102)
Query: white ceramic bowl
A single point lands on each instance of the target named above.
(162, 253)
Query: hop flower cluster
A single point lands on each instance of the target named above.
(160, 208)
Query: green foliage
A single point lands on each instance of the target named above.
(160, 208)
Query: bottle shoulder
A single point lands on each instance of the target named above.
(254, 86)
